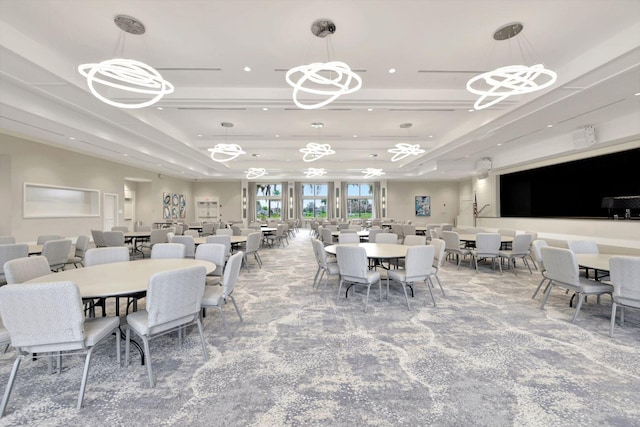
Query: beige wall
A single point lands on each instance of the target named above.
(26, 161)
(444, 200)
(229, 194)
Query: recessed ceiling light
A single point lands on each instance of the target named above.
(125, 154)
(317, 125)
(373, 155)
(471, 110)
(499, 144)
(355, 136)
(159, 165)
(159, 108)
(277, 136)
(265, 109)
(369, 109)
(199, 135)
(247, 69)
(549, 126)
(71, 138)
(637, 94)
(392, 70)
(430, 136)
(256, 155)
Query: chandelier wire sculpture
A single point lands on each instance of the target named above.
(254, 173)
(315, 151)
(403, 150)
(315, 172)
(372, 173)
(225, 152)
(127, 75)
(329, 80)
(501, 83)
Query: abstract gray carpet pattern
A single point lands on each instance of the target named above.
(485, 356)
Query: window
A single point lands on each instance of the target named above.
(314, 200)
(359, 200)
(268, 201)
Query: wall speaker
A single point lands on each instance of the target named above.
(585, 137)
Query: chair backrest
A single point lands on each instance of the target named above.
(56, 252)
(327, 237)
(179, 229)
(158, 236)
(487, 243)
(47, 237)
(534, 235)
(170, 236)
(236, 230)
(98, 238)
(625, 277)
(222, 239)
(7, 240)
(560, 265)
(386, 238)
(12, 251)
(231, 272)
(536, 245)
(82, 244)
(192, 233)
(189, 245)
(247, 231)
(168, 250)
(357, 227)
(215, 253)
(373, 232)
(435, 233)
(124, 229)
(348, 237)
(352, 262)
(22, 269)
(42, 317)
(348, 231)
(446, 227)
(451, 240)
(97, 256)
(506, 232)
(224, 232)
(438, 256)
(418, 262)
(113, 238)
(174, 296)
(408, 230)
(207, 228)
(343, 225)
(521, 244)
(253, 241)
(397, 229)
(140, 227)
(413, 240)
(320, 254)
(583, 246)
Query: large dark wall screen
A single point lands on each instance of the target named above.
(573, 189)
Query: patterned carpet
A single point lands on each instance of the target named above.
(485, 356)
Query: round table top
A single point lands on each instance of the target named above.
(234, 240)
(469, 237)
(136, 234)
(375, 250)
(119, 278)
(361, 233)
(595, 261)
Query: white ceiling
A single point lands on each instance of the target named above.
(435, 45)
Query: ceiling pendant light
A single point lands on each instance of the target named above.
(501, 83)
(329, 80)
(403, 150)
(227, 151)
(315, 172)
(372, 173)
(126, 75)
(315, 151)
(254, 173)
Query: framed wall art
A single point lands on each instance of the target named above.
(423, 205)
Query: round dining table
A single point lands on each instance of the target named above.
(375, 250)
(120, 278)
(235, 240)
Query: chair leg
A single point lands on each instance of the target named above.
(544, 279)
(233, 300)
(429, 286)
(546, 295)
(366, 301)
(406, 297)
(204, 343)
(147, 354)
(12, 379)
(85, 374)
(224, 321)
(580, 298)
(614, 306)
(339, 289)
